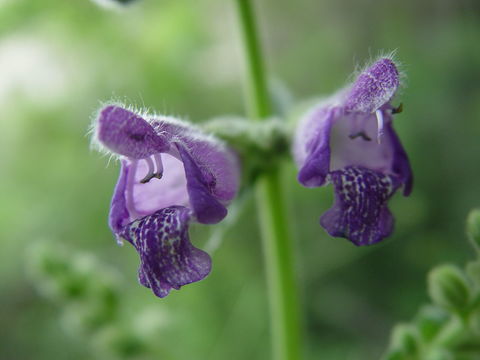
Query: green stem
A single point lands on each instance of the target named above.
(258, 101)
(277, 244)
(278, 253)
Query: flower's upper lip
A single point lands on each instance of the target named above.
(126, 133)
(374, 87)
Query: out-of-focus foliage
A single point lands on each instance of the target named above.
(60, 59)
(447, 329)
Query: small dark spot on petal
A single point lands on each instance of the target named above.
(137, 137)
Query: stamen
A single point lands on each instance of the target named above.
(398, 109)
(159, 164)
(129, 190)
(379, 115)
(360, 134)
(151, 169)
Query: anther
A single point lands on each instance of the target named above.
(360, 134)
(398, 109)
(151, 169)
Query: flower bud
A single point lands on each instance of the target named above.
(448, 287)
(404, 338)
(430, 320)
(473, 228)
(439, 354)
(475, 322)
(473, 272)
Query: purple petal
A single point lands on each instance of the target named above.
(157, 194)
(207, 209)
(374, 87)
(219, 166)
(360, 211)
(312, 147)
(388, 157)
(354, 143)
(212, 157)
(119, 216)
(126, 133)
(168, 259)
(401, 164)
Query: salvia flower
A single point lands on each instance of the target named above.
(171, 174)
(349, 141)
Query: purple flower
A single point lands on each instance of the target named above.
(171, 174)
(349, 141)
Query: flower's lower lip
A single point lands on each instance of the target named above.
(168, 259)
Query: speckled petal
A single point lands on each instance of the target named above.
(360, 211)
(168, 259)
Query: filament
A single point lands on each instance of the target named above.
(380, 124)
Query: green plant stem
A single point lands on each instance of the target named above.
(277, 244)
(258, 102)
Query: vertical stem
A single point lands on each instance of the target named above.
(258, 102)
(277, 244)
(284, 319)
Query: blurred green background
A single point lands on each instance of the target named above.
(60, 59)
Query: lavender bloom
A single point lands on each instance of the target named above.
(349, 141)
(171, 174)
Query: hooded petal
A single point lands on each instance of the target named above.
(168, 259)
(360, 211)
(125, 133)
(374, 87)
